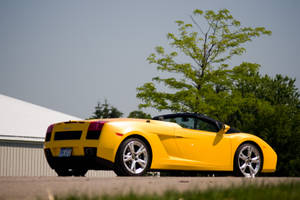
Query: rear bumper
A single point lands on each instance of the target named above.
(78, 162)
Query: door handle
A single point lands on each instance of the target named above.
(179, 136)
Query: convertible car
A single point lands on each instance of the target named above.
(131, 147)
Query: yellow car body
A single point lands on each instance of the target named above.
(172, 147)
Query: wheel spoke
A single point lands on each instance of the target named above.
(133, 166)
(242, 156)
(255, 160)
(141, 162)
(127, 157)
(243, 167)
(141, 150)
(252, 171)
(131, 147)
(249, 151)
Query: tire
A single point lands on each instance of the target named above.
(248, 160)
(133, 158)
(63, 172)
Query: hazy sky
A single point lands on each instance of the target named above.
(67, 55)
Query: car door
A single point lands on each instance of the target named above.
(200, 143)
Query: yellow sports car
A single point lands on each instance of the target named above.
(131, 147)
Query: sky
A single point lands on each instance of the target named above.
(68, 55)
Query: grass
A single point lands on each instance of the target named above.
(281, 191)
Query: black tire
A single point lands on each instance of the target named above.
(248, 160)
(63, 172)
(133, 158)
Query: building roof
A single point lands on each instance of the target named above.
(20, 120)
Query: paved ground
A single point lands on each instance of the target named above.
(14, 188)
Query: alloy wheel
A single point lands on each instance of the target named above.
(249, 160)
(135, 157)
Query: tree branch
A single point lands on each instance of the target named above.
(194, 21)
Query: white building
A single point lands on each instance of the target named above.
(22, 130)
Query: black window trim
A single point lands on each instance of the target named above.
(194, 115)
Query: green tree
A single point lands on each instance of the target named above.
(202, 70)
(105, 110)
(199, 80)
(139, 114)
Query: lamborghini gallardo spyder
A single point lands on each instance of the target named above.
(178, 142)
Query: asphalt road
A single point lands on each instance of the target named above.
(14, 188)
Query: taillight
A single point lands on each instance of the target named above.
(94, 130)
(49, 131)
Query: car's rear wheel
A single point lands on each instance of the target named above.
(248, 160)
(133, 158)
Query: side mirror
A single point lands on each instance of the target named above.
(224, 129)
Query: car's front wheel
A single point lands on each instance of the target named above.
(248, 160)
(133, 158)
